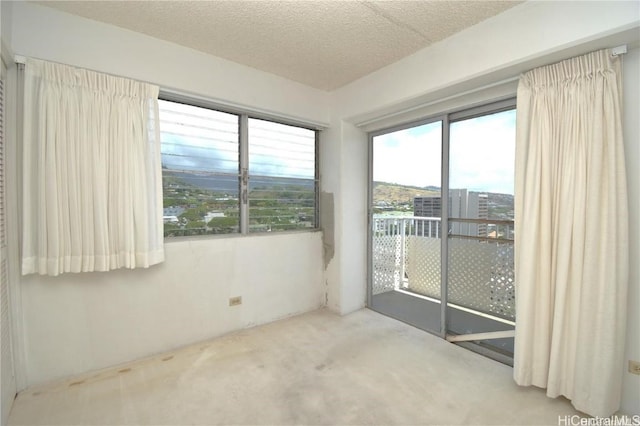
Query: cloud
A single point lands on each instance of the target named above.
(281, 150)
(186, 154)
(409, 157)
(197, 139)
(481, 154)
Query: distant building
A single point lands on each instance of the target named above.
(170, 219)
(463, 204)
(173, 211)
(428, 207)
(466, 204)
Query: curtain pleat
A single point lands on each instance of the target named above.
(92, 185)
(571, 232)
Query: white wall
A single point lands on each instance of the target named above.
(8, 387)
(631, 384)
(346, 267)
(45, 33)
(353, 219)
(526, 36)
(330, 206)
(7, 373)
(79, 322)
(6, 9)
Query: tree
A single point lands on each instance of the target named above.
(223, 222)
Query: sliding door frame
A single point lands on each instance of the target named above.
(411, 124)
(444, 236)
(468, 112)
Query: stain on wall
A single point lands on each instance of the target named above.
(328, 226)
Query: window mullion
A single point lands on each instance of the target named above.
(244, 174)
(444, 223)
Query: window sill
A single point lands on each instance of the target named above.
(169, 240)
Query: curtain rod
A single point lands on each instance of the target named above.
(236, 108)
(620, 50)
(615, 51)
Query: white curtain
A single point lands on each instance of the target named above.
(571, 232)
(92, 184)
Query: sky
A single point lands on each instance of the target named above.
(198, 139)
(481, 154)
(202, 140)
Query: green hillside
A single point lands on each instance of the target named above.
(395, 194)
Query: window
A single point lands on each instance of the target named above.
(441, 253)
(282, 184)
(226, 173)
(200, 163)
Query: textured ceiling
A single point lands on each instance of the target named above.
(323, 44)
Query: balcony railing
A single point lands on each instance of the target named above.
(406, 256)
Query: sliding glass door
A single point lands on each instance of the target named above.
(405, 232)
(445, 263)
(480, 277)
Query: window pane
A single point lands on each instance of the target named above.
(406, 228)
(200, 163)
(481, 228)
(481, 156)
(282, 177)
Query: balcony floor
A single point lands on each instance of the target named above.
(316, 368)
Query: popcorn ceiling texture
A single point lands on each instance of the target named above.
(323, 44)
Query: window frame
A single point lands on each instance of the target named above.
(316, 173)
(447, 117)
(243, 164)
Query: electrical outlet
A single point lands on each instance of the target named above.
(634, 367)
(235, 301)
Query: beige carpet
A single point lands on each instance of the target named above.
(316, 368)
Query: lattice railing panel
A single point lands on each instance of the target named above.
(503, 291)
(387, 263)
(423, 265)
(481, 276)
